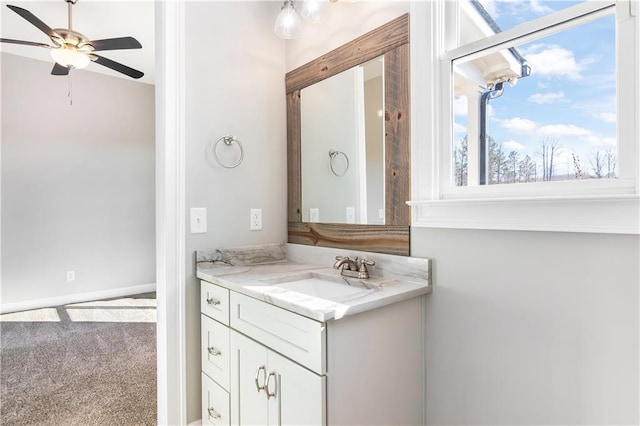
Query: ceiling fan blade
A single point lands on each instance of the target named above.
(59, 69)
(28, 43)
(116, 66)
(33, 19)
(115, 43)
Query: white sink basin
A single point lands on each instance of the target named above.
(327, 287)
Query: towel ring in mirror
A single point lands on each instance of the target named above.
(333, 156)
(229, 141)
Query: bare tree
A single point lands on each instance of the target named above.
(527, 169)
(610, 160)
(548, 150)
(513, 166)
(461, 160)
(603, 163)
(597, 161)
(577, 169)
(497, 162)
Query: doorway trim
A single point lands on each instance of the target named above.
(170, 211)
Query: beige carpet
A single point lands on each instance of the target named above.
(83, 364)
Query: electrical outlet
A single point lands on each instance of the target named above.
(256, 220)
(314, 215)
(71, 276)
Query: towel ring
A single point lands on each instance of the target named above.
(333, 154)
(228, 140)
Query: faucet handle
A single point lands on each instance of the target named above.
(363, 271)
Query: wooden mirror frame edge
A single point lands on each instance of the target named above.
(392, 41)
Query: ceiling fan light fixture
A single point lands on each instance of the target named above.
(288, 23)
(70, 57)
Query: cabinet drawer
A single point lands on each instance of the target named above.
(215, 403)
(296, 337)
(215, 350)
(214, 302)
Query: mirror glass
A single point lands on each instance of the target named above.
(342, 149)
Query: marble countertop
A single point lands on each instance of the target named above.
(258, 280)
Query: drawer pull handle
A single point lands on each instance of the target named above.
(214, 351)
(213, 302)
(264, 376)
(213, 413)
(275, 385)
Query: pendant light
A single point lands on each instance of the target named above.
(288, 23)
(315, 10)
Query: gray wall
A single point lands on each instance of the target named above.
(235, 85)
(522, 327)
(77, 182)
(531, 327)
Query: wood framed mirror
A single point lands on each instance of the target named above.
(390, 41)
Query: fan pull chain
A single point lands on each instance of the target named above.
(70, 93)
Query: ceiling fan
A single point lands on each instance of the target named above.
(72, 49)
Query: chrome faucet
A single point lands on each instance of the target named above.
(352, 267)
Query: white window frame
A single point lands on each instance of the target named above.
(594, 205)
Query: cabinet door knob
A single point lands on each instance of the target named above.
(275, 385)
(214, 351)
(264, 376)
(213, 301)
(213, 413)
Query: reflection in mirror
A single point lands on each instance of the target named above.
(390, 40)
(342, 132)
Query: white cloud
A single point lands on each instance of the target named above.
(519, 125)
(514, 146)
(491, 7)
(564, 130)
(460, 105)
(459, 128)
(546, 98)
(552, 60)
(608, 117)
(538, 8)
(601, 141)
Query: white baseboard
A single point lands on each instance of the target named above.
(75, 298)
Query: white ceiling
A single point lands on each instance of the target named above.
(96, 19)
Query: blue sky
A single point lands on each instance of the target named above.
(570, 95)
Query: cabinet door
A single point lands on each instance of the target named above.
(215, 403)
(248, 377)
(215, 350)
(300, 395)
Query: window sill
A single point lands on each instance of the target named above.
(616, 214)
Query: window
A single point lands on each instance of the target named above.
(536, 107)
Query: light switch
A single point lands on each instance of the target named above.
(314, 215)
(351, 215)
(198, 220)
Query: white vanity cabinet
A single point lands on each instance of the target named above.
(271, 389)
(265, 365)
